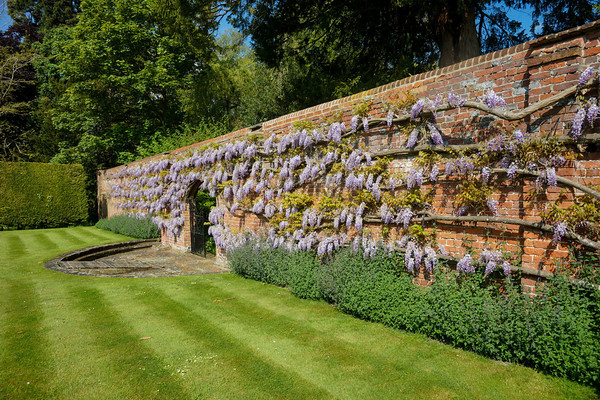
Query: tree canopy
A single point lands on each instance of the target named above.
(342, 46)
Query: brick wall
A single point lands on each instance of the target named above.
(523, 75)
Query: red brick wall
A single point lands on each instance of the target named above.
(523, 75)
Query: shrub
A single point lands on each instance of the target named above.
(133, 225)
(38, 195)
(557, 331)
(295, 269)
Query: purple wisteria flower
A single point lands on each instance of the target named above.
(485, 175)
(386, 216)
(343, 215)
(449, 168)
(405, 217)
(392, 183)
(506, 266)
(354, 123)
(586, 76)
(358, 223)
(577, 123)
(215, 215)
(442, 250)
(430, 258)
(464, 165)
(365, 122)
(455, 100)
(557, 161)
(360, 209)
(335, 132)
(415, 179)
(259, 206)
(356, 244)
(551, 177)
(295, 162)
(412, 139)
(270, 210)
(288, 185)
(492, 259)
(560, 229)
(416, 109)
(496, 144)
(465, 265)
(389, 118)
(512, 170)
(376, 191)
(434, 173)
(592, 112)
(436, 136)
(349, 219)
(492, 100)
(519, 136)
(493, 205)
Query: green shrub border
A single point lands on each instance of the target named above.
(38, 195)
(132, 225)
(556, 332)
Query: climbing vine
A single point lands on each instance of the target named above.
(270, 177)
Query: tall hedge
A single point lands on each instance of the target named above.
(38, 195)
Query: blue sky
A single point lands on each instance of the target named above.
(4, 18)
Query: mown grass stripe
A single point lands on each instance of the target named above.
(91, 233)
(24, 359)
(69, 237)
(271, 379)
(290, 342)
(82, 372)
(13, 244)
(136, 365)
(350, 342)
(43, 241)
(208, 369)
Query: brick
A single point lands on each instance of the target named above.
(543, 69)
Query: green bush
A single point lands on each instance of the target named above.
(38, 195)
(557, 331)
(134, 225)
(295, 269)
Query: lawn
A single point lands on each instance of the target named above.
(214, 336)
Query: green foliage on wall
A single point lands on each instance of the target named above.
(38, 195)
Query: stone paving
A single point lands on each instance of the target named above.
(154, 261)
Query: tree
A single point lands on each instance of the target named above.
(17, 94)
(44, 14)
(236, 88)
(116, 75)
(348, 45)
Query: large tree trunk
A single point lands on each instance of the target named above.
(456, 35)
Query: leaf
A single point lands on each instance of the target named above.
(145, 337)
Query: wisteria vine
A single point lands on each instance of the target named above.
(267, 177)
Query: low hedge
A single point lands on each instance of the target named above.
(38, 195)
(134, 225)
(557, 331)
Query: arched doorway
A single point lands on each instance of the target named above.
(200, 204)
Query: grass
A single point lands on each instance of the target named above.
(74, 337)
